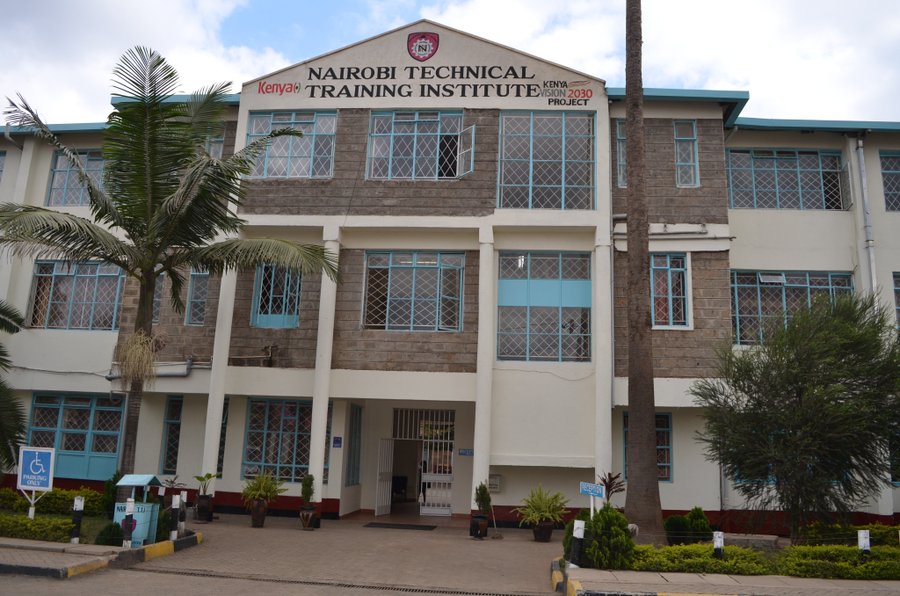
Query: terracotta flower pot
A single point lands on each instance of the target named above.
(258, 513)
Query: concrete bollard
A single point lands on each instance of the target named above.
(719, 545)
(862, 540)
(128, 523)
(182, 513)
(77, 514)
(577, 545)
(174, 512)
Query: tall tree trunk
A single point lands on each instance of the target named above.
(143, 323)
(642, 505)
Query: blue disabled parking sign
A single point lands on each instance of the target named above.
(35, 468)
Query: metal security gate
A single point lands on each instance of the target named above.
(436, 430)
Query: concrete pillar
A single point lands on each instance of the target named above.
(322, 379)
(216, 401)
(19, 185)
(604, 357)
(487, 349)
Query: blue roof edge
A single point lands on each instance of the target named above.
(734, 101)
(822, 125)
(231, 99)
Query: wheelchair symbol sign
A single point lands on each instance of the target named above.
(35, 468)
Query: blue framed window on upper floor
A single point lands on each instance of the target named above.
(663, 446)
(276, 298)
(66, 189)
(354, 445)
(687, 159)
(621, 155)
(786, 179)
(544, 307)
(198, 292)
(309, 156)
(546, 160)
(171, 435)
(668, 290)
(414, 291)
(419, 146)
(84, 430)
(278, 439)
(76, 295)
(890, 178)
(157, 297)
(759, 298)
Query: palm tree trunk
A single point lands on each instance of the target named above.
(642, 505)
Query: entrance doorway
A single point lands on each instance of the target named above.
(416, 464)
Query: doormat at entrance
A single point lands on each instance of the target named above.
(400, 526)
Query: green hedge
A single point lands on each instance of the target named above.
(19, 526)
(698, 558)
(840, 562)
(57, 500)
(835, 534)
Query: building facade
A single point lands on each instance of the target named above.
(475, 196)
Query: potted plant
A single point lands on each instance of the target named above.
(478, 527)
(258, 492)
(204, 508)
(308, 509)
(542, 510)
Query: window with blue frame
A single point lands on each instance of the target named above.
(278, 439)
(171, 435)
(544, 307)
(663, 446)
(66, 189)
(668, 290)
(354, 445)
(309, 156)
(276, 298)
(198, 292)
(414, 291)
(621, 155)
(546, 160)
(76, 295)
(897, 297)
(157, 297)
(84, 430)
(419, 146)
(786, 179)
(760, 298)
(215, 145)
(687, 160)
(890, 178)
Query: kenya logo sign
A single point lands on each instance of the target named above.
(422, 46)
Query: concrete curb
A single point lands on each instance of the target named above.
(562, 583)
(124, 558)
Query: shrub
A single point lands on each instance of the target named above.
(162, 525)
(833, 534)
(698, 558)
(110, 535)
(11, 500)
(688, 529)
(583, 515)
(607, 541)
(57, 500)
(49, 529)
(109, 493)
(840, 562)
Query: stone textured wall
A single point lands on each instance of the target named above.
(686, 354)
(349, 192)
(378, 349)
(707, 203)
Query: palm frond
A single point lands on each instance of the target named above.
(12, 426)
(144, 75)
(38, 232)
(246, 253)
(11, 320)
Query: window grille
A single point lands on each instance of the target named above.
(890, 178)
(668, 274)
(198, 292)
(419, 146)
(308, 156)
(786, 179)
(76, 295)
(687, 162)
(663, 446)
(66, 189)
(171, 432)
(276, 298)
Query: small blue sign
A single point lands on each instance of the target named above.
(35, 468)
(337, 442)
(594, 490)
(467, 452)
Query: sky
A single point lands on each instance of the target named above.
(798, 59)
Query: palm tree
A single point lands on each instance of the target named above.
(642, 505)
(165, 205)
(12, 418)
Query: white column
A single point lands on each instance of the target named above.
(216, 399)
(602, 332)
(322, 379)
(19, 187)
(487, 347)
